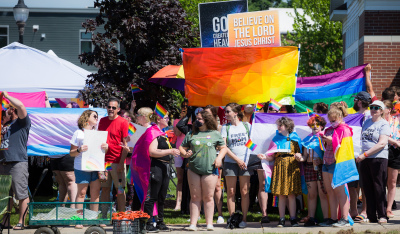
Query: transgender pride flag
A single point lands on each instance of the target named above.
(52, 129)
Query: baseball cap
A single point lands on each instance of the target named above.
(378, 103)
(363, 96)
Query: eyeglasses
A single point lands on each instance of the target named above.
(315, 124)
(375, 107)
(95, 116)
(112, 107)
(355, 99)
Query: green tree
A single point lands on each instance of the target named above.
(261, 5)
(149, 33)
(321, 39)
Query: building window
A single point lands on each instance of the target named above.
(3, 36)
(85, 42)
(352, 34)
(351, 60)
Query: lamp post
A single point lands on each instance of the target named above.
(21, 13)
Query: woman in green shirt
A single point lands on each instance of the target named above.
(200, 146)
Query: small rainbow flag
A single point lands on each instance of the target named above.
(5, 104)
(131, 129)
(250, 145)
(321, 144)
(108, 166)
(275, 201)
(258, 107)
(310, 113)
(274, 104)
(160, 110)
(135, 89)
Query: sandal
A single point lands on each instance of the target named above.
(389, 214)
(359, 218)
(19, 226)
(304, 220)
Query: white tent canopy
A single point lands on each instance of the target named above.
(25, 69)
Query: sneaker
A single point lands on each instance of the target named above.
(220, 220)
(265, 219)
(162, 227)
(150, 228)
(327, 223)
(242, 224)
(293, 222)
(210, 227)
(281, 222)
(342, 223)
(192, 228)
(310, 222)
(382, 221)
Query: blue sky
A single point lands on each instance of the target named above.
(50, 3)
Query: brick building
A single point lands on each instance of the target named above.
(371, 34)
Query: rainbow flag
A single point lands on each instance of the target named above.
(108, 166)
(220, 75)
(250, 145)
(135, 89)
(4, 103)
(345, 169)
(321, 144)
(258, 107)
(274, 104)
(160, 110)
(310, 113)
(329, 88)
(275, 201)
(131, 129)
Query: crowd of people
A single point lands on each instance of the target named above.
(205, 150)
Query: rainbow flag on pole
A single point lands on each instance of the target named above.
(329, 88)
(251, 145)
(310, 113)
(258, 107)
(135, 89)
(131, 129)
(160, 110)
(274, 104)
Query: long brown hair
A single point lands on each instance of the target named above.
(209, 121)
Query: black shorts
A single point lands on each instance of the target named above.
(394, 158)
(65, 163)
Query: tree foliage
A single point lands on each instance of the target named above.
(321, 41)
(149, 34)
(262, 5)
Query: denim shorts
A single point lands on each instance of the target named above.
(85, 177)
(329, 168)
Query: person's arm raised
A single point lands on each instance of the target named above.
(22, 113)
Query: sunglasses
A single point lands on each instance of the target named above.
(112, 107)
(316, 125)
(95, 116)
(374, 107)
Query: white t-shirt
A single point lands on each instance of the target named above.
(237, 139)
(77, 140)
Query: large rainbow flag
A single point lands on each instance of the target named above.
(329, 88)
(52, 129)
(244, 75)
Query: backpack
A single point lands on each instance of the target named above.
(228, 125)
(234, 220)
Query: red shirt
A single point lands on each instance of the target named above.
(117, 130)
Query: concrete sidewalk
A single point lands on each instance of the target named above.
(392, 225)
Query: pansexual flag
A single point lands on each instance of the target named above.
(160, 110)
(345, 169)
(131, 129)
(274, 104)
(135, 89)
(250, 145)
(329, 88)
(244, 75)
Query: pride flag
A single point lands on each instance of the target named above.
(108, 166)
(244, 75)
(131, 129)
(345, 169)
(250, 145)
(258, 107)
(310, 113)
(329, 88)
(4, 103)
(274, 104)
(160, 110)
(135, 89)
